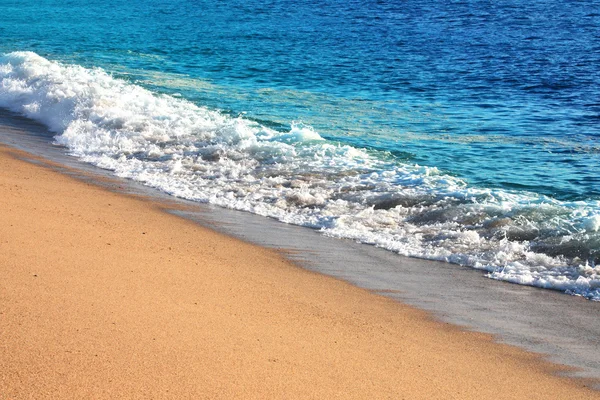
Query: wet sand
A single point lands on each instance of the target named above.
(105, 295)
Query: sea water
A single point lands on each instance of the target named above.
(464, 131)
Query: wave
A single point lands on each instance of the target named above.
(298, 177)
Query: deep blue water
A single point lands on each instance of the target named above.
(502, 93)
(467, 131)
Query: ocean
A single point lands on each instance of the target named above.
(460, 131)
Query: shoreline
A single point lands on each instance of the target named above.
(266, 328)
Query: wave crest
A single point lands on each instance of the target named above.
(300, 178)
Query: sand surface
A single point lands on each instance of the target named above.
(103, 295)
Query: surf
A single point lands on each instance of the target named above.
(299, 177)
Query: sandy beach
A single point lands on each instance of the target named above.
(104, 295)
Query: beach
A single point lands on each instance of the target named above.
(104, 295)
(314, 199)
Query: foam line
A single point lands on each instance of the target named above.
(299, 178)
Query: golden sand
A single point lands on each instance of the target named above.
(103, 295)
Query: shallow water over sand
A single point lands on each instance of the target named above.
(566, 328)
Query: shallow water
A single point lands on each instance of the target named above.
(563, 328)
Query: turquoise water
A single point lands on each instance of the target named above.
(464, 131)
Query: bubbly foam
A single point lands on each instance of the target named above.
(300, 178)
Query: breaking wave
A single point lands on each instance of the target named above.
(299, 178)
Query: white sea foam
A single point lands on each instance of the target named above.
(300, 178)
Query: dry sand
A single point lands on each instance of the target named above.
(104, 295)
